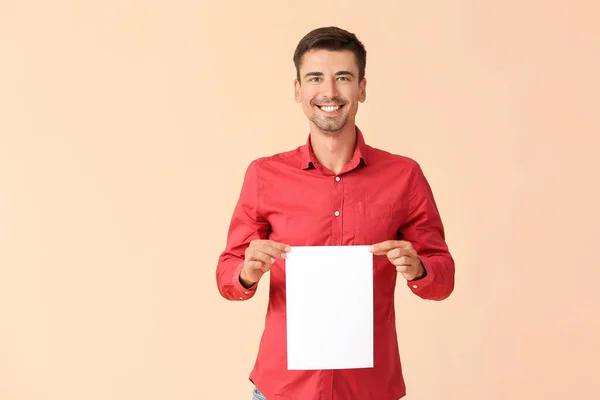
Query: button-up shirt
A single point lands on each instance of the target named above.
(290, 198)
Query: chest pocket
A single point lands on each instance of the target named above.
(376, 222)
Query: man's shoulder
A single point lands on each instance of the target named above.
(386, 156)
(279, 159)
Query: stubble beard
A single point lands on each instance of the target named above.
(330, 125)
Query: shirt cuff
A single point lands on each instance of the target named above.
(417, 285)
(243, 293)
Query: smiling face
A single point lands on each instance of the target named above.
(329, 89)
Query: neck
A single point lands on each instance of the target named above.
(334, 149)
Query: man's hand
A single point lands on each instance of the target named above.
(403, 255)
(259, 258)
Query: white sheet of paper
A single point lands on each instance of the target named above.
(329, 300)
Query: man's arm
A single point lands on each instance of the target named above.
(247, 224)
(424, 229)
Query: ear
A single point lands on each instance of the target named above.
(362, 87)
(297, 92)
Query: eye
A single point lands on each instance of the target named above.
(343, 78)
(314, 79)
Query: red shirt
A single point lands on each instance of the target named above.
(290, 198)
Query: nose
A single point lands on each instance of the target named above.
(330, 89)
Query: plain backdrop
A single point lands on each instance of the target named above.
(125, 130)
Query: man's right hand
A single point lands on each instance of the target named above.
(259, 258)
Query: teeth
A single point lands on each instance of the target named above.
(330, 108)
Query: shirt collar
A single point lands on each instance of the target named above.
(308, 159)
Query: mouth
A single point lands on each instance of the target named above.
(331, 109)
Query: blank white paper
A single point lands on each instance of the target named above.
(329, 300)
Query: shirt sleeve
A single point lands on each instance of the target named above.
(425, 231)
(246, 225)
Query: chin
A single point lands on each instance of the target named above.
(327, 126)
(331, 129)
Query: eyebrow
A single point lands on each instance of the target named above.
(339, 73)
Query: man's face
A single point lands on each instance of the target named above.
(329, 89)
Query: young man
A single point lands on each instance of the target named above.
(334, 190)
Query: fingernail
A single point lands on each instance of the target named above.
(272, 259)
(371, 249)
(282, 255)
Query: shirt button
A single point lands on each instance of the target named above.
(337, 178)
(415, 286)
(337, 213)
(246, 292)
(241, 298)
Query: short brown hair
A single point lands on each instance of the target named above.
(334, 39)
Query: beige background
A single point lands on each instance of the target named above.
(125, 129)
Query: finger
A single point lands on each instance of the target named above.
(382, 248)
(266, 267)
(271, 243)
(409, 273)
(407, 268)
(402, 268)
(258, 266)
(399, 252)
(262, 253)
(258, 255)
(254, 265)
(279, 246)
(274, 249)
(404, 260)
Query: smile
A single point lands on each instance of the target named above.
(330, 109)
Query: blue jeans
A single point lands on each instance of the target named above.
(257, 395)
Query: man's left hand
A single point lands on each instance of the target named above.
(403, 255)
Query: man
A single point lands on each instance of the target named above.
(334, 190)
